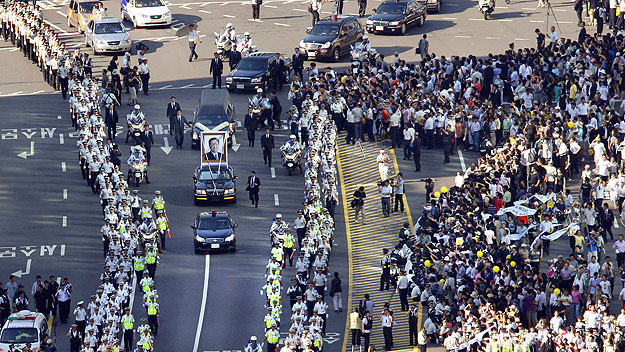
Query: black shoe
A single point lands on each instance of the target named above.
(148, 182)
(171, 133)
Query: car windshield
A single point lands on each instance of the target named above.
(325, 29)
(148, 3)
(19, 335)
(108, 28)
(214, 175)
(87, 7)
(252, 65)
(211, 120)
(390, 8)
(211, 223)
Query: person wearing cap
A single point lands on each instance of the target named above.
(252, 345)
(75, 338)
(383, 162)
(272, 337)
(80, 316)
(128, 325)
(216, 69)
(268, 145)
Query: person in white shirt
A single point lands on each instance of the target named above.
(144, 73)
(193, 37)
(382, 159)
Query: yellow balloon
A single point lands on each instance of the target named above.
(496, 269)
(513, 263)
(556, 291)
(508, 257)
(480, 254)
(442, 281)
(443, 189)
(571, 124)
(428, 263)
(437, 194)
(458, 241)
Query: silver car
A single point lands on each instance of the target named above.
(107, 35)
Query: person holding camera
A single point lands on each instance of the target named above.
(358, 203)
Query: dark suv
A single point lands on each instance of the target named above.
(331, 37)
(396, 16)
(252, 72)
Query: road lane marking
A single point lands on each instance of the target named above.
(461, 157)
(276, 199)
(253, 20)
(463, 36)
(63, 166)
(59, 117)
(282, 24)
(61, 139)
(62, 13)
(64, 221)
(501, 7)
(565, 22)
(476, 19)
(203, 307)
(504, 20)
(520, 39)
(528, 8)
(273, 172)
(493, 38)
(449, 18)
(37, 92)
(537, 21)
(300, 10)
(187, 86)
(55, 26)
(65, 193)
(271, 7)
(229, 16)
(204, 11)
(15, 93)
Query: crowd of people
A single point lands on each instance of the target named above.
(135, 229)
(308, 249)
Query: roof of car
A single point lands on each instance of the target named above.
(218, 214)
(214, 168)
(339, 18)
(107, 20)
(83, 1)
(262, 54)
(395, 2)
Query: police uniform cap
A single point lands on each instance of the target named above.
(127, 309)
(74, 325)
(135, 191)
(143, 320)
(157, 192)
(80, 303)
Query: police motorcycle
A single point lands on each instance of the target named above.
(137, 165)
(278, 229)
(291, 155)
(136, 124)
(486, 7)
(245, 46)
(362, 52)
(225, 41)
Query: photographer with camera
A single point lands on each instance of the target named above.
(358, 203)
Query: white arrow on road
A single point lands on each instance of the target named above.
(19, 273)
(25, 155)
(235, 146)
(166, 149)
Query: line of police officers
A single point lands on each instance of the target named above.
(315, 232)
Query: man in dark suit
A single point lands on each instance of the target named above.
(607, 220)
(253, 184)
(298, 64)
(276, 69)
(172, 110)
(251, 125)
(148, 142)
(179, 123)
(216, 69)
(416, 151)
(276, 110)
(213, 153)
(110, 120)
(266, 142)
(235, 57)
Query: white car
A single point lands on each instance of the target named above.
(144, 13)
(21, 328)
(107, 35)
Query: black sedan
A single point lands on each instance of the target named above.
(213, 231)
(396, 16)
(252, 72)
(214, 184)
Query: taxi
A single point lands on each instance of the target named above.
(80, 12)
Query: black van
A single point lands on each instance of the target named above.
(213, 109)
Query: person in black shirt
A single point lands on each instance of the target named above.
(540, 39)
(586, 189)
(358, 202)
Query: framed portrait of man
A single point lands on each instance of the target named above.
(214, 147)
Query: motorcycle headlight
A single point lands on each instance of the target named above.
(395, 23)
(228, 79)
(301, 43)
(369, 22)
(229, 191)
(201, 191)
(230, 238)
(326, 45)
(195, 135)
(200, 239)
(257, 80)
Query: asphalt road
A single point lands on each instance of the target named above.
(51, 220)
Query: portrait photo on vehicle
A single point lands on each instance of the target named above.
(214, 148)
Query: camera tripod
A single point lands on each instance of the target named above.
(551, 13)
